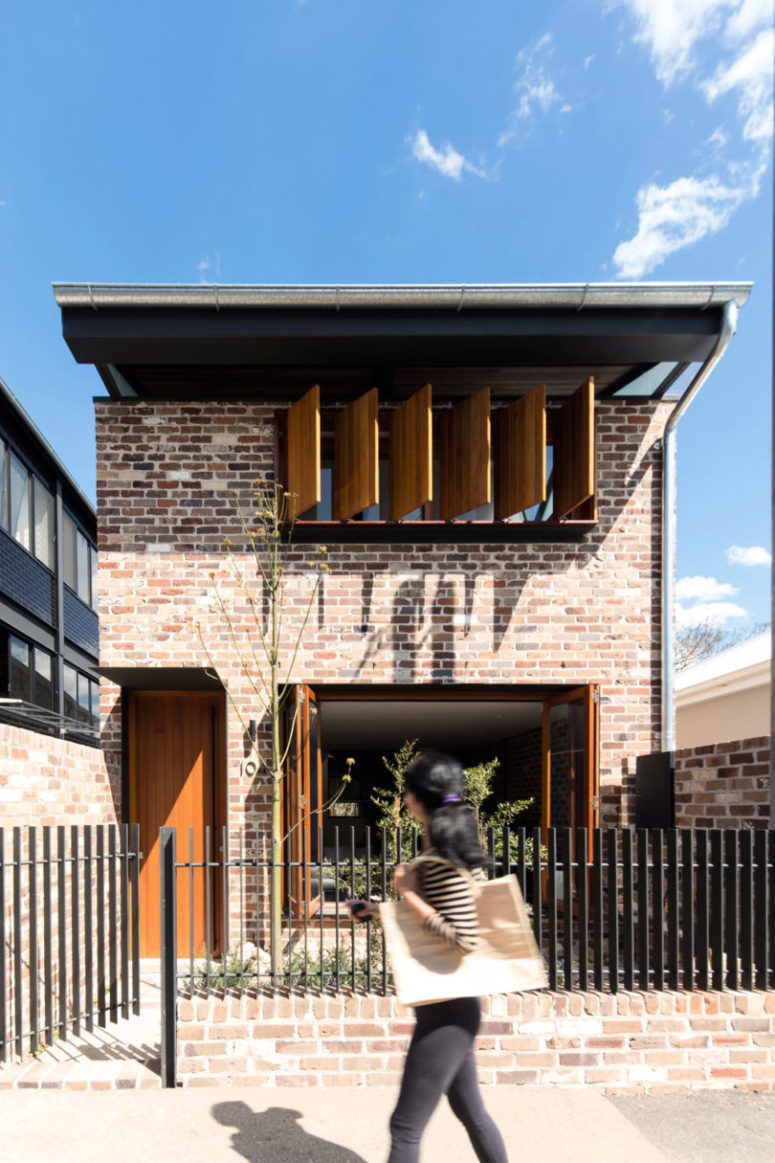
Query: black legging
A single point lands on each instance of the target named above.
(440, 1061)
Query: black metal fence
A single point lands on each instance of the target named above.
(69, 932)
(614, 909)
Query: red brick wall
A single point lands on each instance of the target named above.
(654, 1042)
(482, 613)
(45, 780)
(723, 785)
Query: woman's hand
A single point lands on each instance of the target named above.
(404, 879)
(362, 910)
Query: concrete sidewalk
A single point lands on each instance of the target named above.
(345, 1125)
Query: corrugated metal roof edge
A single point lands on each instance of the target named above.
(458, 296)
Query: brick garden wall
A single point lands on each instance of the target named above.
(45, 780)
(723, 785)
(629, 1041)
(48, 782)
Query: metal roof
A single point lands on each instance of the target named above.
(415, 295)
(273, 342)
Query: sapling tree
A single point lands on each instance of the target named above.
(266, 652)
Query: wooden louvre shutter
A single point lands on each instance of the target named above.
(411, 455)
(356, 457)
(520, 455)
(302, 434)
(465, 457)
(303, 799)
(574, 451)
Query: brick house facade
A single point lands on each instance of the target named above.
(488, 635)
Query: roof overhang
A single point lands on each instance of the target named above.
(230, 341)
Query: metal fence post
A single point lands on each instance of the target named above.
(169, 955)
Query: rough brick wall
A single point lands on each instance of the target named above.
(45, 780)
(723, 785)
(635, 1042)
(462, 613)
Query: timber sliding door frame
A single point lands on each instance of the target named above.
(584, 782)
(303, 798)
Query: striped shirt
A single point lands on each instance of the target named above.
(449, 893)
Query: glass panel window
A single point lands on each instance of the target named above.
(44, 524)
(20, 674)
(69, 532)
(20, 493)
(83, 568)
(93, 552)
(43, 695)
(84, 699)
(3, 489)
(95, 704)
(71, 692)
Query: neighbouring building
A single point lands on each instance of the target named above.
(485, 467)
(51, 768)
(725, 696)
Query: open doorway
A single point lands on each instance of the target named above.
(545, 741)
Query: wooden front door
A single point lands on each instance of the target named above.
(570, 792)
(176, 779)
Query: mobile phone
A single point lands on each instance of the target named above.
(356, 908)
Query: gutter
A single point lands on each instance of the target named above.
(575, 296)
(728, 328)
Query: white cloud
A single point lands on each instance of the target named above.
(446, 160)
(689, 209)
(716, 613)
(705, 589)
(670, 29)
(534, 88)
(751, 75)
(208, 263)
(750, 555)
(673, 216)
(750, 16)
(588, 60)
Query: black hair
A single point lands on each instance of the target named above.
(436, 780)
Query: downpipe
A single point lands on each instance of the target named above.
(669, 496)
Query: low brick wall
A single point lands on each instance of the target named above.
(634, 1042)
(723, 785)
(46, 780)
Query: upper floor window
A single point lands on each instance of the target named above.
(81, 697)
(79, 562)
(26, 507)
(462, 462)
(26, 671)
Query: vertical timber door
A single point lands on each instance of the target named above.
(570, 778)
(303, 799)
(177, 754)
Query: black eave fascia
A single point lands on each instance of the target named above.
(274, 338)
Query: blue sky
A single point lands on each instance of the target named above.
(345, 141)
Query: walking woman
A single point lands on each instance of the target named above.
(440, 1059)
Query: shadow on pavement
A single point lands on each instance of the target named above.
(274, 1136)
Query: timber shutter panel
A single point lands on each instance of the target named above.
(411, 455)
(356, 457)
(465, 456)
(574, 450)
(520, 455)
(302, 436)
